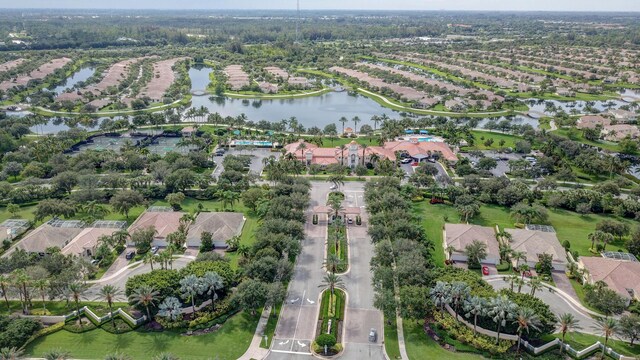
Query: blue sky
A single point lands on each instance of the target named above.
(522, 5)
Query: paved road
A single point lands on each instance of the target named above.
(297, 325)
(361, 316)
(296, 328)
(120, 280)
(557, 304)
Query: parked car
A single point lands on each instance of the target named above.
(405, 161)
(373, 336)
(130, 255)
(485, 270)
(154, 249)
(349, 221)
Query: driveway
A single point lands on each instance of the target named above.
(557, 304)
(119, 279)
(563, 283)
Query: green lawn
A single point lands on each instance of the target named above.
(391, 339)
(230, 342)
(481, 136)
(60, 307)
(420, 346)
(606, 145)
(580, 341)
(271, 324)
(26, 213)
(328, 143)
(568, 225)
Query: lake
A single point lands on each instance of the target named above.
(80, 75)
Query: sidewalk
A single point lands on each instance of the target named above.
(255, 351)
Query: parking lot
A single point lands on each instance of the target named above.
(257, 156)
(501, 158)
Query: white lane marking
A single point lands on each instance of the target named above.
(311, 302)
(298, 319)
(284, 342)
(295, 301)
(292, 352)
(301, 344)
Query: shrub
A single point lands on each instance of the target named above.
(14, 332)
(503, 266)
(566, 245)
(465, 335)
(326, 340)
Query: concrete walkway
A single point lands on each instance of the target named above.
(255, 351)
(401, 344)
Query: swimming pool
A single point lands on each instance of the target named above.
(259, 143)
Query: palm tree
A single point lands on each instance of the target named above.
(535, 284)
(302, 147)
(501, 309)
(42, 285)
(355, 120)
(56, 354)
(343, 147)
(332, 281)
(475, 306)
(229, 197)
(190, 287)
(11, 353)
(566, 323)
(343, 120)
(332, 263)
(149, 258)
(364, 147)
(518, 255)
(22, 282)
(170, 308)
(336, 180)
(475, 252)
(5, 283)
(526, 318)
(212, 282)
(77, 290)
(120, 237)
(108, 292)
(441, 294)
(459, 293)
(608, 327)
(449, 250)
(375, 119)
(145, 296)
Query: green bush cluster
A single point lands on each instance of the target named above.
(117, 326)
(14, 332)
(339, 311)
(465, 335)
(45, 331)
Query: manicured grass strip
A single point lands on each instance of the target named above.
(391, 345)
(579, 341)
(271, 325)
(606, 145)
(343, 248)
(60, 307)
(332, 308)
(420, 346)
(228, 343)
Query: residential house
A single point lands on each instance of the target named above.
(459, 236)
(534, 243)
(221, 225)
(620, 276)
(164, 221)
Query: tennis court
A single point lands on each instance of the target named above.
(103, 143)
(164, 145)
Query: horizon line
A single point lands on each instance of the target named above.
(329, 9)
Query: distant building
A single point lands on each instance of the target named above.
(165, 221)
(592, 121)
(623, 116)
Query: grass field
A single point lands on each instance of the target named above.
(228, 343)
(481, 136)
(271, 325)
(580, 341)
(391, 345)
(568, 225)
(420, 346)
(606, 145)
(60, 307)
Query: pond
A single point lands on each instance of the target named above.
(199, 75)
(80, 75)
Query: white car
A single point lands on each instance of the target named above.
(333, 187)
